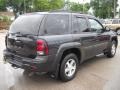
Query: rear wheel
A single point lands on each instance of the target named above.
(112, 50)
(68, 67)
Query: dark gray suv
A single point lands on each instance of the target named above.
(57, 42)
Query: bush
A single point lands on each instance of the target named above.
(5, 18)
(4, 22)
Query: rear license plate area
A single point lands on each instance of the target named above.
(14, 60)
(17, 60)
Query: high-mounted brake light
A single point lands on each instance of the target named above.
(42, 47)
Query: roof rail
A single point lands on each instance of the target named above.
(69, 11)
(60, 10)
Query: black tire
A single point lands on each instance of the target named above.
(67, 58)
(118, 31)
(110, 54)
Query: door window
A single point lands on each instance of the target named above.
(95, 26)
(82, 24)
(79, 25)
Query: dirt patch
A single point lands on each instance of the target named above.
(4, 25)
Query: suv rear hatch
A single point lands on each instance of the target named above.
(22, 36)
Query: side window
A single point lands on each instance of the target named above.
(119, 21)
(95, 26)
(56, 24)
(79, 25)
(82, 24)
(75, 27)
(115, 22)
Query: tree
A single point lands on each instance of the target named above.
(76, 7)
(23, 6)
(80, 7)
(56, 4)
(2, 5)
(41, 5)
(19, 6)
(46, 5)
(103, 8)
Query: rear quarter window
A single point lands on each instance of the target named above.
(56, 24)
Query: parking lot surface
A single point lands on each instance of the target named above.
(98, 73)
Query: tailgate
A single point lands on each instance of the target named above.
(22, 45)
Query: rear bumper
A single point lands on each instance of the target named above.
(39, 64)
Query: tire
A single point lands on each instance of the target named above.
(112, 50)
(69, 67)
(118, 32)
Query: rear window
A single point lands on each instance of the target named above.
(56, 24)
(26, 24)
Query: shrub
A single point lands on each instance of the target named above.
(5, 18)
(4, 22)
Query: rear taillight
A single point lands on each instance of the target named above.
(42, 47)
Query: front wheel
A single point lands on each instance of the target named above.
(112, 50)
(118, 31)
(68, 67)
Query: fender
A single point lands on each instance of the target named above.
(63, 48)
(114, 36)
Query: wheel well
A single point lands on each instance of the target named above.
(115, 39)
(117, 29)
(72, 50)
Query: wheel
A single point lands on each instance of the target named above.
(112, 50)
(118, 31)
(68, 68)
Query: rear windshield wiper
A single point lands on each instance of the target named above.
(23, 35)
(19, 34)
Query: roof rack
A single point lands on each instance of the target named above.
(69, 11)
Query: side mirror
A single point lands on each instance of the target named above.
(107, 28)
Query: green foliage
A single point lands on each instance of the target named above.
(23, 6)
(79, 7)
(56, 4)
(41, 5)
(46, 5)
(4, 18)
(103, 8)
(2, 5)
(17, 5)
(76, 7)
